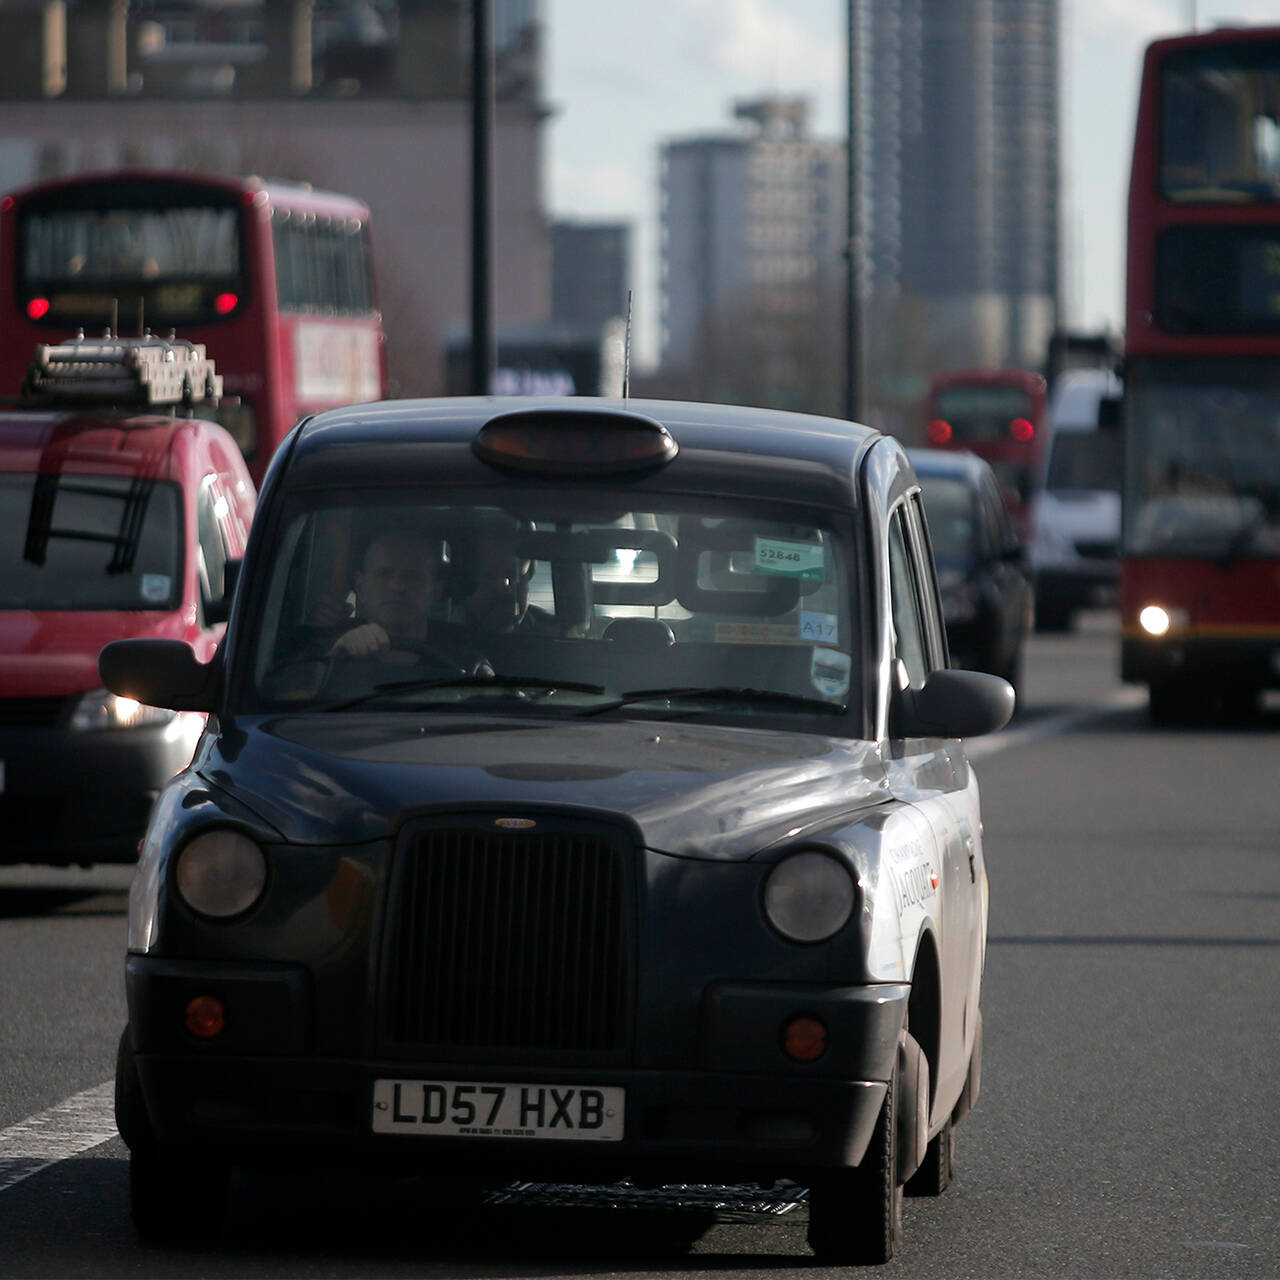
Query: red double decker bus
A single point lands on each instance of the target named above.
(275, 280)
(999, 414)
(1200, 579)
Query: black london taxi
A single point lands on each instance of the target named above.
(582, 798)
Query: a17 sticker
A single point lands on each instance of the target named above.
(788, 558)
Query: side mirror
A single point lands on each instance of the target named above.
(955, 704)
(161, 673)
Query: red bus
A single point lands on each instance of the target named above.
(999, 414)
(1200, 576)
(275, 280)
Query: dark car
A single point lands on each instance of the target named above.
(988, 599)
(669, 868)
(115, 520)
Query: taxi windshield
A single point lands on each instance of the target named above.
(89, 542)
(676, 606)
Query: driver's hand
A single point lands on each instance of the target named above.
(361, 641)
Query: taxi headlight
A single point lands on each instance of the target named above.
(808, 897)
(221, 873)
(99, 709)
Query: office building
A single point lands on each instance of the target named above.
(958, 146)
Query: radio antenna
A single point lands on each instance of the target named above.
(626, 352)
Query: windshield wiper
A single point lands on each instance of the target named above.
(489, 681)
(719, 693)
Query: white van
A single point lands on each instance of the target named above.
(1075, 521)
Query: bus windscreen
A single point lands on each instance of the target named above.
(178, 265)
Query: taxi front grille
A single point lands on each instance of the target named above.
(508, 942)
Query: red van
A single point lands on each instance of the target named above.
(115, 521)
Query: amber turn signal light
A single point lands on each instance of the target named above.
(804, 1039)
(206, 1017)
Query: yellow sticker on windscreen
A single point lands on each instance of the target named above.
(789, 558)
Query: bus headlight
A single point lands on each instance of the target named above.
(809, 896)
(221, 873)
(1158, 621)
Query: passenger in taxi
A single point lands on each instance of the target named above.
(491, 583)
(396, 588)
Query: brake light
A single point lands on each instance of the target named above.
(225, 303)
(938, 431)
(38, 308)
(1022, 429)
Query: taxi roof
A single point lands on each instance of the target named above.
(376, 442)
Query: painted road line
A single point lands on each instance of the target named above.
(1126, 698)
(77, 1124)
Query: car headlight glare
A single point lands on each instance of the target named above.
(99, 709)
(809, 896)
(221, 873)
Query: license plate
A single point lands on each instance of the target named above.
(487, 1109)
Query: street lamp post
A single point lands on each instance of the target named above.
(853, 243)
(482, 341)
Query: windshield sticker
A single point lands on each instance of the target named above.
(829, 671)
(791, 559)
(819, 628)
(756, 633)
(155, 587)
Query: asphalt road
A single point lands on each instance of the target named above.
(1128, 1124)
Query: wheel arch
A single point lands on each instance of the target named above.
(924, 1005)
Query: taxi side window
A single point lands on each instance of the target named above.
(910, 639)
(929, 597)
(213, 549)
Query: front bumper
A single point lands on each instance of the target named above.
(1219, 661)
(84, 797)
(741, 1111)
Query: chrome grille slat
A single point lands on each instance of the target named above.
(508, 942)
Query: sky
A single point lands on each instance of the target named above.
(626, 76)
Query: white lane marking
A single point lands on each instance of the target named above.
(1123, 699)
(76, 1124)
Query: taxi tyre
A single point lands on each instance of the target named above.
(938, 1168)
(855, 1215)
(175, 1196)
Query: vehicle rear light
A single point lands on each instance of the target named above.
(205, 1017)
(1022, 429)
(6, 204)
(938, 431)
(38, 308)
(804, 1039)
(225, 303)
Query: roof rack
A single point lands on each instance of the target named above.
(123, 371)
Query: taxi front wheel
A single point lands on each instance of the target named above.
(177, 1198)
(855, 1215)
